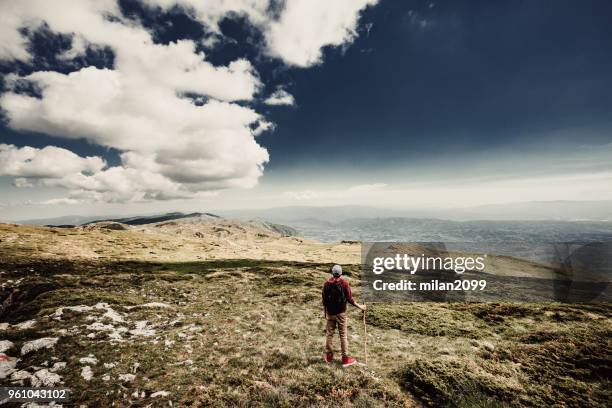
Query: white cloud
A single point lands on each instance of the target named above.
(211, 12)
(280, 97)
(306, 26)
(61, 201)
(86, 177)
(49, 162)
(299, 32)
(169, 146)
(13, 44)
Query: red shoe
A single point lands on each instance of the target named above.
(329, 357)
(348, 361)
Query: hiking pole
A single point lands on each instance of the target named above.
(365, 337)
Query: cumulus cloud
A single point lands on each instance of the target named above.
(280, 97)
(296, 32)
(49, 162)
(170, 146)
(306, 26)
(86, 177)
(211, 12)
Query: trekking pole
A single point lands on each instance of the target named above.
(365, 337)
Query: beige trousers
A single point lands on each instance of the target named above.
(340, 321)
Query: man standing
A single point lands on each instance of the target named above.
(336, 293)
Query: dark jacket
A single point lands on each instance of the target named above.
(345, 287)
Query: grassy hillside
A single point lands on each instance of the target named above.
(249, 333)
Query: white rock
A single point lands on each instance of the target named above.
(20, 375)
(156, 304)
(79, 308)
(142, 329)
(487, 345)
(25, 325)
(116, 335)
(58, 366)
(150, 304)
(109, 365)
(88, 360)
(44, 378)
(160, 394)
(4, 326)
(114, 332)
(86, 373)
(127, 377)
(106, 377)
(7, 365)
(34, 345)
(113, 315)
(110, 312)
(5, 345)
(97, 326)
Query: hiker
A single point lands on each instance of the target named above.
(336, 293)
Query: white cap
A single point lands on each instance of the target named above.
(336, 270)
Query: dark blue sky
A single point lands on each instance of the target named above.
(459, 76)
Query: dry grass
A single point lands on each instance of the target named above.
(248, 332)
(170, 242)
(254, 332)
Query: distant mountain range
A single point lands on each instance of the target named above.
(524, 211)
(143, 220)
(134, 220)
(194, 217)
(528, 222)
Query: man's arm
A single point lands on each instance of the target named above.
(349, 297)
(323, 294)
(323, 300)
